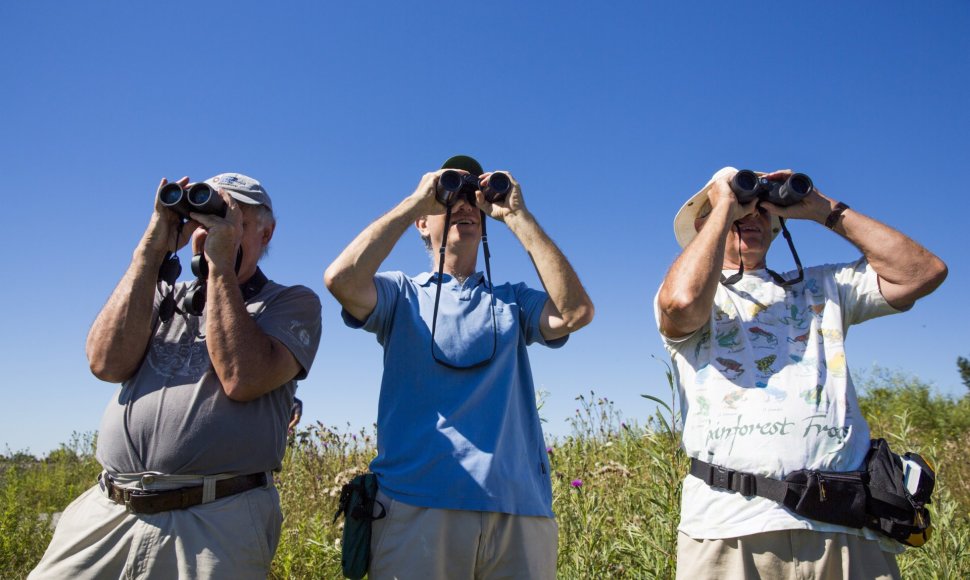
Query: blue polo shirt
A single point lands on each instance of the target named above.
(459, 439)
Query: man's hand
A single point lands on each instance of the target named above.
(720, 194)
(512, 206)
(221, 236)
(424, 196)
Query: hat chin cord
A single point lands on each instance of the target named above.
(734, 278)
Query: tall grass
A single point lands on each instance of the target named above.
(616, 488)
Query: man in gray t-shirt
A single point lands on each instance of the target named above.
(190, 440)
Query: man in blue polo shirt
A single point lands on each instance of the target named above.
(461, 463)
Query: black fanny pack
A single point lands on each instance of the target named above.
(889, 494)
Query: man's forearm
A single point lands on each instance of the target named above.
(247, 361)
(906, 269)
(350, 278)
(560, 281)
(688, 289)
(119, 336)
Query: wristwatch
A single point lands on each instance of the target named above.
(834, 216)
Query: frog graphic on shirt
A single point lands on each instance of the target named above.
(729, 340)
(764, 364)
(759, 335)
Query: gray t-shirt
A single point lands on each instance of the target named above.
(173, 417)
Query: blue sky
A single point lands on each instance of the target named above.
(610, 115)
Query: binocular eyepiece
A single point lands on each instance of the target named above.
(197, 197)
(454, 186)
(748, 185)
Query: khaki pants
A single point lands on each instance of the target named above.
(795, 554)
(233, 537)
(437, 544)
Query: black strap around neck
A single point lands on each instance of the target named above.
(734, 278)
(437, 296)
(250, 288)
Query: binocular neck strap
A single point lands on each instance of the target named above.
(774, 275)
(437, 296)
(740, 273)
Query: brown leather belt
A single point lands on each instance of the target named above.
(139, 501)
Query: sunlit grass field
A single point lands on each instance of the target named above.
(616, 488)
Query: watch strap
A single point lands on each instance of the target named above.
(833, 217)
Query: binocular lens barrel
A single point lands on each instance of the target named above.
(170, 194)
(500, 184)
(452, 185)
(450, 181)
(199, 197)
(204, 199)
(748, 185)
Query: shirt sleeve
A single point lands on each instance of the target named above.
(293, 318)
(389, 286)
(858, 287)
(531, 302)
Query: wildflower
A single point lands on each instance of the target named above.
(577, 483)
(549, 450)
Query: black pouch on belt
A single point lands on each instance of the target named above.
(826, 496)
(357, 500)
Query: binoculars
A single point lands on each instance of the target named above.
(454, 186)
(197, 197)
(748, 185)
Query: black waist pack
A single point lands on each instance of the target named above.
(889, 494)
(357, 500)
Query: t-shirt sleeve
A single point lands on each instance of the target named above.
(389, 285)
(293, 318)
(858, 286)
(531, 302)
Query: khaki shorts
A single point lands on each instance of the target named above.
(438, 544)
(794, 554)
(233, 537)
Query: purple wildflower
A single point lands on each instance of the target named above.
(577, 483)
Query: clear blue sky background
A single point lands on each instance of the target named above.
(609, 114)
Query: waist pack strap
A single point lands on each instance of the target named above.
(744, 483)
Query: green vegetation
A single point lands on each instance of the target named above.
(616, 488)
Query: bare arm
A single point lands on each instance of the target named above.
(350, 278)
(248, 362)
(687, 293)
(119, 336)
(569, 307)
(907, 271)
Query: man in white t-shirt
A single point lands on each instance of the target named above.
(764, 385)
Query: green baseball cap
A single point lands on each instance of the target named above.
(464, 162)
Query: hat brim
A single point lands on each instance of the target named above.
(684, 229)
(243, 198)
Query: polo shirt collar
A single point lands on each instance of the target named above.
(428, 278)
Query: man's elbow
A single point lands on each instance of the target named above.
(103, 370)
(579, 317)
(933, 274)
(241, 392)
(332, 278)
(937, 274)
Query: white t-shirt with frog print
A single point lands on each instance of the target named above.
(765, 389)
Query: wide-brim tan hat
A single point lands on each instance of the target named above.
(684, 220)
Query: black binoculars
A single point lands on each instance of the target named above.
(197, 197)
(454, 186)
(748, 185)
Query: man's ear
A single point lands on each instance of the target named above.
(422, 224)
(268, 233)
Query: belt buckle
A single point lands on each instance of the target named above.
(720, 477)
(126, 495)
